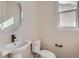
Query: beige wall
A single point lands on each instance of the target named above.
(29, 25)
(49, 34)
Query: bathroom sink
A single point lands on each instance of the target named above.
(14, 47)
(18, 46)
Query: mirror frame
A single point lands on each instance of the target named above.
(21, 16)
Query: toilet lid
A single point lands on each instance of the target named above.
(47, 54)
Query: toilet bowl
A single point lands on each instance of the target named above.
(47, 54)
(41, 53)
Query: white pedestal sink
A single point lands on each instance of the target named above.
(15, 48)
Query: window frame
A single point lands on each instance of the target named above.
(76, 28)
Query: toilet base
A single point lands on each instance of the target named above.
(44, 54)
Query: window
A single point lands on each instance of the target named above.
(68, 15)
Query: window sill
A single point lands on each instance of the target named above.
(67, 29)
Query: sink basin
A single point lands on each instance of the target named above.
(18, 46)
(15, 47)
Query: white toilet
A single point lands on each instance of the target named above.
(41, 53)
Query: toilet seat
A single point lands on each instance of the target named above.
(47, 54)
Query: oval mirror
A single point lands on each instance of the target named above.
(10, 16)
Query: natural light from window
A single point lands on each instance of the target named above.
(67, 14)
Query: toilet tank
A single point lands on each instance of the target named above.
(36, 45)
